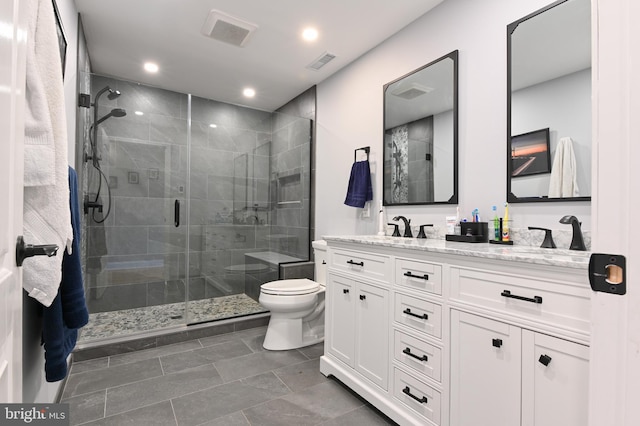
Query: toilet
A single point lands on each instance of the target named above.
(297, 307)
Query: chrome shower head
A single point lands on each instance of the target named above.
(113, 94)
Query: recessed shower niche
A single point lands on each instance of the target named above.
(288, 188)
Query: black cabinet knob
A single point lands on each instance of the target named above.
(345, 290)
(544, 360)
(497, 343)
(362, 297)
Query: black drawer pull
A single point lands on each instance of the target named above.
(362, 297)
(407, 351)
(351, 262)
(497, 343)
(423, 316)
(407, 391)
(535, 299)
(544, 360)
(345, 290)
(176, 213)
(422, 277)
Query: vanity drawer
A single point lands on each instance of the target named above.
(420, 276)
(418, 314)
(364, 264)
(563, 304)
(417, 355)
(418, 396)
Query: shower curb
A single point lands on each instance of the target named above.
(115, 346)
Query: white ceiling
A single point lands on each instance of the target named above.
(123, 34)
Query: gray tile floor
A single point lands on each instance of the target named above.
(224, 380)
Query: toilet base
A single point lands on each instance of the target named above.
(284, 334)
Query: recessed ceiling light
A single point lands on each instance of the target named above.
(150, 67)
(310, 34)
(139, 113)
(213, 126)
(249, 92)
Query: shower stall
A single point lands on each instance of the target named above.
(190, 205)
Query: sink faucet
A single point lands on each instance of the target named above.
(407, 226)
(577, 243)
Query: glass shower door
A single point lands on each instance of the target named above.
(137, 181)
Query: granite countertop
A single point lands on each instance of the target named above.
(541, 256)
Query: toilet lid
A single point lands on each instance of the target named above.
(299, 286)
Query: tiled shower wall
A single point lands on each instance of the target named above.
(137, 256)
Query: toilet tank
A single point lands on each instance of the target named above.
(320, 259)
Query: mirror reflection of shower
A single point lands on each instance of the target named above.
(95, 204)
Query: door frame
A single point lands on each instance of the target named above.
(615, 343)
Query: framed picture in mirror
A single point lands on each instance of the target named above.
(530, 153)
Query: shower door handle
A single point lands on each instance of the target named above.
(176, 213)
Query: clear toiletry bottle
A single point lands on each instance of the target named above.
(496, 224)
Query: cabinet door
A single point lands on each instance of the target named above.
(372, 334)
(555, 394)
(485, 371)
(341, 319)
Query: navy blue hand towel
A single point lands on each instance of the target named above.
(359, 191)
(68, 311)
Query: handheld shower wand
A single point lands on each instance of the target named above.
(93, 142)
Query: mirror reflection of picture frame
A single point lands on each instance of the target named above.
(530, 153)
(62, 39)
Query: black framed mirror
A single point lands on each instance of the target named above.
(421, 135)
(549, 104)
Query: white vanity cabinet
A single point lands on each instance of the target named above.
(435, 334)
(358, 315)
(529, 378)
(536, 378)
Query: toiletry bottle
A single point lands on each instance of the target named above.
(457, 230)
(505, 223)
(496, 224)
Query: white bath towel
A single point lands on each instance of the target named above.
(47, 219)
(563, 181)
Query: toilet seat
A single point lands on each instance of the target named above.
(290, 287)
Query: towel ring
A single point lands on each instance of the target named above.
(366, 149)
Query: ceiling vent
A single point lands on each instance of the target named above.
(411, 91)
(228, 29)
(321, 61)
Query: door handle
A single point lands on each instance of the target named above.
(176, 213)
(24, 251)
